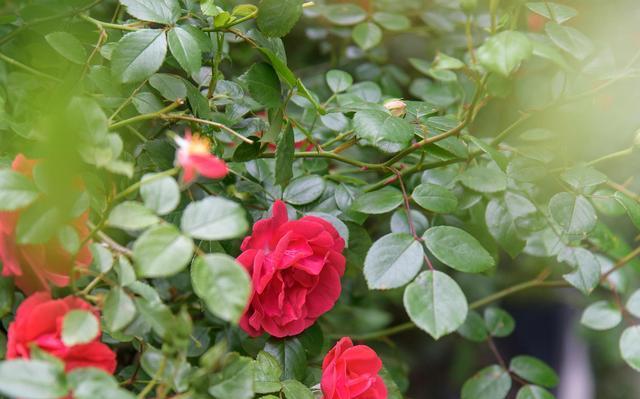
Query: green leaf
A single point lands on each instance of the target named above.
(457, 249)
(304, 190)
(569, 39)
(126, 273)
(296, 390)
(214, 218)
(185, 49)
(400, 224)
(473, 327)
(264, 85)
(534, 392)
(629, 204)
(268, 373)
(526, 170)
(344, 14)
(379, 201)
(435, 303)
(102, 257)
(284, 156)
(633, 303)
(583, 177)
(68, 46)
(131, 215)
(392, 22)
(586, 275)
(484, 179)
(560, 12)
(601, 315)
(499, 323)
(119, 310)
(139, 55)
(382, 130)
(291, 355)
(160, 194)
(161, 251)
(16, 191)
(223, 285)
(435, 198)
(393, 261)
(502, 226)
(492, 382)
(277, 17)
(170, 87)
(534, 370)
(160, 11)
(338, 81)
(79, 327)
(629, 347)
(367, 35)
(94, 383)
(574, 214)
(35, 379)
(504, 52)
(235, 380)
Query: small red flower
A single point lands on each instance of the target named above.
(535, 22)
(194, 156)
(34, 266)
(351, 372)
(295, 268)
(38, 323)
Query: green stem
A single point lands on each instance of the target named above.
(618, 154)
(144, 117)
(27, 68)
(331, 155)
(108, 25)
(206, 122)
(156, 377)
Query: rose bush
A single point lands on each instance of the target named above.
(338, 199)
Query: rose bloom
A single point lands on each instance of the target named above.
(34, 266)
(295, 268)
(351, 372)
(38, 322)
(195, 157)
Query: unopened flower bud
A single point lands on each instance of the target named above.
(396, 107)
(468, 6)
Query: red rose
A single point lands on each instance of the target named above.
(39, 322)
(295, 268)
(34, 266)
(351, 372)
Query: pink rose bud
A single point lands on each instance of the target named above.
(396, 107)
(195, 157)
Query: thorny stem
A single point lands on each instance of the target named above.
(145, 117)
(206, 122)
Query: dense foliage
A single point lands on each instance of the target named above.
(188, 210)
